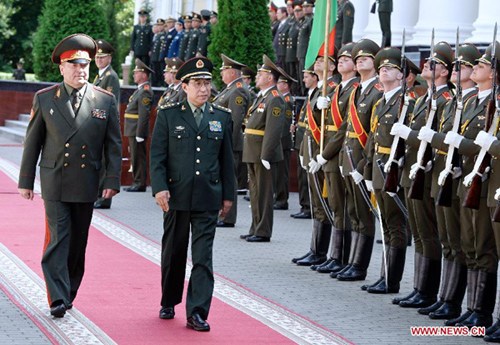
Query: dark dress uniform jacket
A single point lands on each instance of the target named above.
(138, 111)
(266, 114)
(192, 45)
(286, 137)
(344, 25)
(183, 45)
(72, 147)
(194, 164)
(110, 82)
(157, 45)
(291, 41)
(279, 41)
(303, 37)
(173, 94)
(235, 97)
(204, 39)
(169, 38)
(142, 36)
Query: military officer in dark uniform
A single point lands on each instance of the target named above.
(279, 41)
(72, 125)
(345, 23)
(274, 19)
(192, 175)
(174, 92)
(291, 60)
(142, 36)
(261, 148)
(174, 49)
(194, 35)
(156, 47)
(205, 30)
(384, 16)
(185, 39)
(136, 126)
(303, 42)
(248, 76)
(109, 81)
(235, 97)
(169, 32)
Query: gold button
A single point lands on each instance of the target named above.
(66, 154)
(65, 164)
(83, 156)
(83, 166)
(67, 145)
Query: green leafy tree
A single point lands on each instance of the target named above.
(242, 33)
(7, 9)
(59, 19)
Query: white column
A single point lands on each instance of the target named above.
(488, 14)
(361, 14)
(444, 16)
(404, 16)
(372, 29)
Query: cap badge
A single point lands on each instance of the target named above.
(200, 64)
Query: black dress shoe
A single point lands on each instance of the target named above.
(258, 239)
(102, 203)
(477, 319)
(302, 215)
(58, 309)
(381, 288)
(135, 188)
(294, 260)
(244, 237)
(431, 308)
(197, 323)
(493, 328)
(336, 273)
(455, 321)
(353, 274)
(222, 224)
(280, 207)
(312, 259)
(446, 312)
(326, 263)
(493, 337)
(396, 300)
(366, 286)
(167, 313)
(333, 266)
(419, 300)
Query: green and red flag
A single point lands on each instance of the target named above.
(317, 40)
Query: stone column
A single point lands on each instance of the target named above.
(361, 15)
(486, 17)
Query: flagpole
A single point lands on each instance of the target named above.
(325, 71)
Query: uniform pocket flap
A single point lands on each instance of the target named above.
(214, 178)
(174, 176)
(47, 163)
(214, 135)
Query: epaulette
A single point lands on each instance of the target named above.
(287, 98)
(239, 84)
(275, 93)
(447, 95)
(47, 89)
(355, 84)
(146, 87)
(216, 106)
(379, 87)
(169, 105)
(108, 73)
(331, 84)
(100, 89)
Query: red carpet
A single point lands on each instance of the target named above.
(120, 292)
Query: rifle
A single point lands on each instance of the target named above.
(474, 179)
(424, 154)
(445, 179)
(397, 148)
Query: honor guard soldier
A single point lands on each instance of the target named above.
(345, 23)
(136, 126)
(384, 16)
(205, 30)
(282, 172)
(299, 128)
(108, 80)
(261, 148)
(174, 92)
(422, 213)
(477, 239)
(156, 47)
(142, 36)
(279, 41)
(194, 35)
(192, 176)
(387, 112)
(322, 228)
(185, 39)
(454, 276)
(235, 97)
(73, 125)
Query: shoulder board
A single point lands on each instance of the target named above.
(379, 87)
(331, 84)
(216, 106)
(169, 105)
(447, 95)
(239, 84)
(146, 87)
(287, 98)
(275, 93)
(47, 89)
(108, 73)
(97, 88)
(355, 84)
(378, 102)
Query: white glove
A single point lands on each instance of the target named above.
(484, 140)
(391, 194)
(457, 172)
(453, 139)
(320, 159)
(426, 134)
(369, 185)
(139, 139)
(413, 170)
(266, 164)
(400, 130)
(301, 160)
(356, 176)
(323, 102)
(314, 166)
(497, 194)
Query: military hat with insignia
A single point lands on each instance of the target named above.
(269, 66)
(143, 12)
(346, 50)
(273, 7)
(205, 14)
(104, 48)
(297, 5)
(174, 64)
(388, 57)
(467, 54)
(364, 47)
(142, 67)
(160, 21)
(213, 14)
(195, 68)
(486, 57)
(186, 18)
(443, 54)
(76, 48)
(285, 77)
(308, 3)
(196, 16)
(309, 70)
(170, 20)
(247, 72)
(230, 63)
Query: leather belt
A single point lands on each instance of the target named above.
(302, 124)
(131, 116)
(331, 128)
(382, 149)
(441, 152)
(254, 131)
(353, 135)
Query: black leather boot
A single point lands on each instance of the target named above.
(496, 326)
(430, 273)
(453, 295)
(445, 277)
(354, 245)
(316, 257)
(471, 295)
(484, 302)
(396, 267)
(335, 263)
(416, 271)
(361, 261)
(379, 280)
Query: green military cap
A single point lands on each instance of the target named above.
(247, 72)
(467, 54)
(205, 14)
(167, 68)
(196, 16)
(346, 50)
(285, 77)
(388, 57)
(309, 70)
(443, 54)
(142, 67)
(273, 7)
(228, 63)
(186, 18)
(174, 64)
(269, 66)
(143, 12)
(486, 57)
(213, 14)
(364, 47)
(160, 21)
(104, 48)
(76, 48)
(308, 3)
(195, 68)
(412, 68)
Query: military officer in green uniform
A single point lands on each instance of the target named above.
(73, 124)
(156, 47)
(384, 16)
(345, 23)
(142, 36)
(109, 81)
(261, 148)
(192, 176)
(454, 277)
(136, 126)
(174, 92)
(194, 36)
(235, 97)
(185, 39)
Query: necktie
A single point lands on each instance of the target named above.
(198, 116)
(75, 100)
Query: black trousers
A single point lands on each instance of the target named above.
(174, 244)
(139, 161)
(63, 260)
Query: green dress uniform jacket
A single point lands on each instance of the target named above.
(192, 45)
(291, 41)
(344, 25)
(173, 94)
(204, 39)
(138, 112)
(72, 147)
(157, 45)
(142, 36)
(183, 45)
(110, 82)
